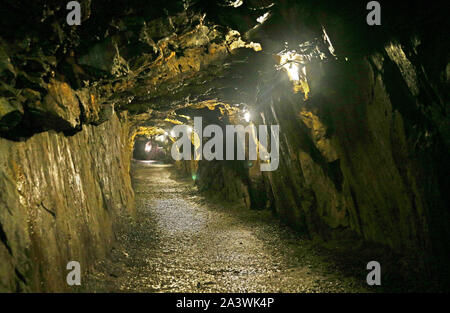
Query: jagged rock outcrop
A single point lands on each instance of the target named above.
(59, 109)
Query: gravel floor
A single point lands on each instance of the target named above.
(181, 242)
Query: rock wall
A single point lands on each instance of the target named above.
(59, 198)
(220, 180)
(364, 155)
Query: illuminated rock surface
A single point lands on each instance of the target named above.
(364, 137)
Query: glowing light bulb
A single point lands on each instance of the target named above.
(172, 133)
(247, 116)
(189, 129)
(290, 62)
(293, 73)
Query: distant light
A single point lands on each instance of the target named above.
(247, 116)
(293, 71)
(172, 133)
(194, 177)
(148, 147)
(236, 3)
(189, 129)
(262, 18)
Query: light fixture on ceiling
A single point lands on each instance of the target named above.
(291, 61)
(292, 70)
(236, 3)
(294, 65)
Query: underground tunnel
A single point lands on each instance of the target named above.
(203, 146)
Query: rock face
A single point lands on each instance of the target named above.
(364, 153)
(364, 127)
(363, 156)
(60, 108)
(60, 197)
(221, 181)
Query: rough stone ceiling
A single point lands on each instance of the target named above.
(156, 58)
(151, 58)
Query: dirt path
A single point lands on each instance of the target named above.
(182, 243)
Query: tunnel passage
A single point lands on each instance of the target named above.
(181, 242)
(363, 145)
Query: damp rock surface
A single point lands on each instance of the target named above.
(180, 242)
